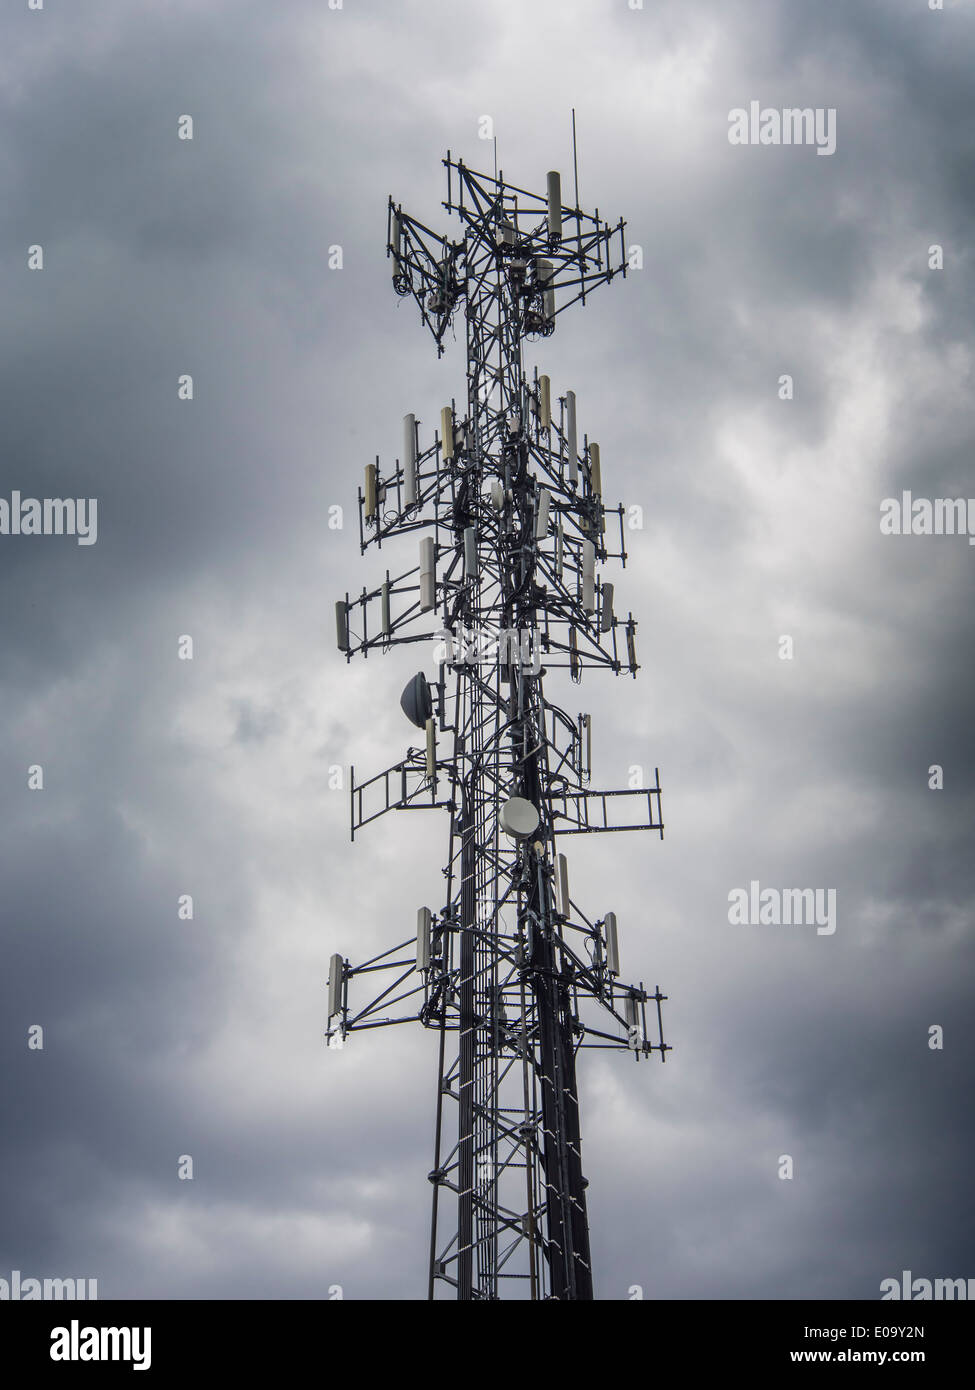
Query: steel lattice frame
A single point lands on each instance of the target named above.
(512, 962)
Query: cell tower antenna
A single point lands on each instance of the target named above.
(505, 501)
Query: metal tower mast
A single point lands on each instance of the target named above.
(512, 528)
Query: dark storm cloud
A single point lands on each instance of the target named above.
(165, 1037)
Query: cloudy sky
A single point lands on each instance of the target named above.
(166, 1037)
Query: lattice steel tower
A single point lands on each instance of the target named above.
(512, 529)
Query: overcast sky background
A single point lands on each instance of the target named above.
(211, 777)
